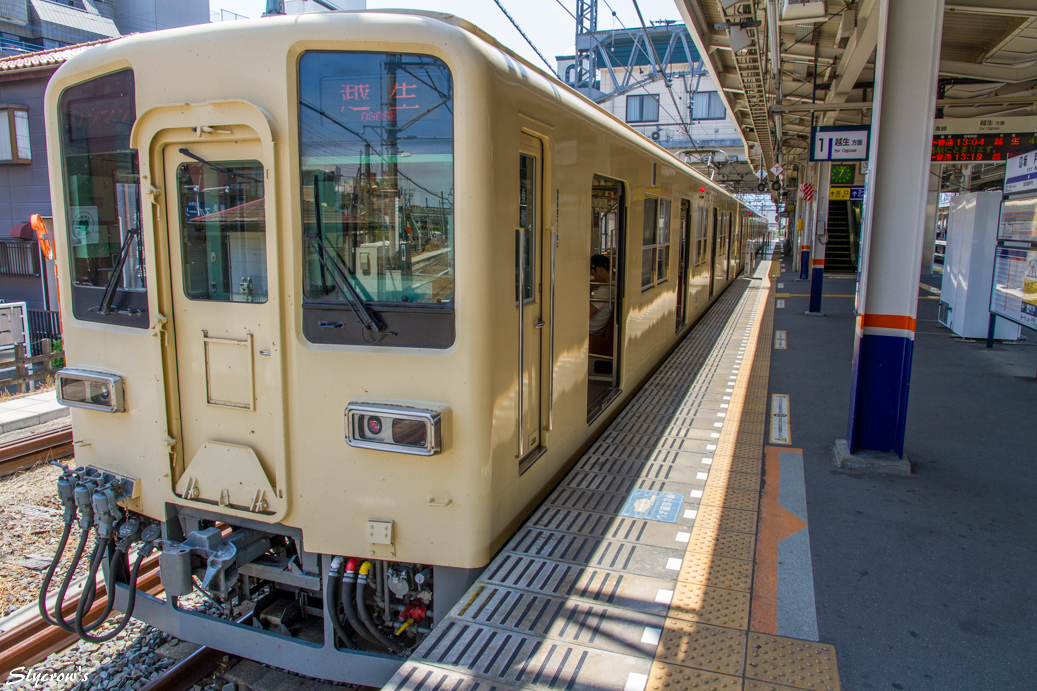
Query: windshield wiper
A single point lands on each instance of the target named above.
(111, 287)
(340, 280)
(219, 169)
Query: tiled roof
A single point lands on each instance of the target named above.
(44, 58)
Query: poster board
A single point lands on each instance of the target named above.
(1013, 293)
(1018, 221)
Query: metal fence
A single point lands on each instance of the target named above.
(43, 324)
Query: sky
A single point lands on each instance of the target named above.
(546, 22)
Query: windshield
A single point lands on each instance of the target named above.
(376, 142)
(102, 181)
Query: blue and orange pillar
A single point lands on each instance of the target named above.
(906, 69)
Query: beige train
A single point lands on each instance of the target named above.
(344, 295)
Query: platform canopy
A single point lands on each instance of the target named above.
(785, 64)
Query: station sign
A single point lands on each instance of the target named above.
(839, 143)
(1021, 173)
(844, 194)
(967, 140)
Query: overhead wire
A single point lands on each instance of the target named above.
(666, 81)
(566, 9)
(519, 29)
(614, 15)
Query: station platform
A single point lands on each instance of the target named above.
(923, 582)
(22, 412)
(674, 555)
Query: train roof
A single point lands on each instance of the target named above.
(114, 51)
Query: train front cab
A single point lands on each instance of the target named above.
(205, 211)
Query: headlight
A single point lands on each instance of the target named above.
(94, 390)
(391, 427)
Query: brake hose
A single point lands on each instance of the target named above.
(47, 577)
(348, 582)
(88, 591)
(81, 611)
(84, 606)
(334, 582)
(130, 534)
(365, 616)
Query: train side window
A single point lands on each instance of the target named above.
(527, 214)
(376, 146)
(655, 247)
(663, 261)
(102, 201)
(223, 231)
(701, 238)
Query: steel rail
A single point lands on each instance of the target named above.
(35, 639)
(24, 453)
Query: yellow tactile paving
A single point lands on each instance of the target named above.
(726, 518)
(722, 543)
(702, 603)
(743, 481)
(712, 648)
(791, 662)
(668, 677)
(706, 643)
(716, 571)
(737, 464)
(718, 495)
(753, 685)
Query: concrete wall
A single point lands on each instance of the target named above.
(133, 16)
(304, 6)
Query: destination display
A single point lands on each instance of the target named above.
(981, 147)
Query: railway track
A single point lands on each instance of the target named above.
(35, 640)
(28, 451)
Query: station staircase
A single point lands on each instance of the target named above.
(839, 252)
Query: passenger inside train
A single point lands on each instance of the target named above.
(601, 295)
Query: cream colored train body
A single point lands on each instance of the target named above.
(414, 159)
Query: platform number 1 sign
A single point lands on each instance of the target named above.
(839, 143)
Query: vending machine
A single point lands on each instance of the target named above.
(972, 230)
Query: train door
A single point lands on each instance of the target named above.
(529, 296)
(606, 294)
(225, 318)
(682, 264)
(713, 253)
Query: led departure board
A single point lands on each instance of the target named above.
(951, 148)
